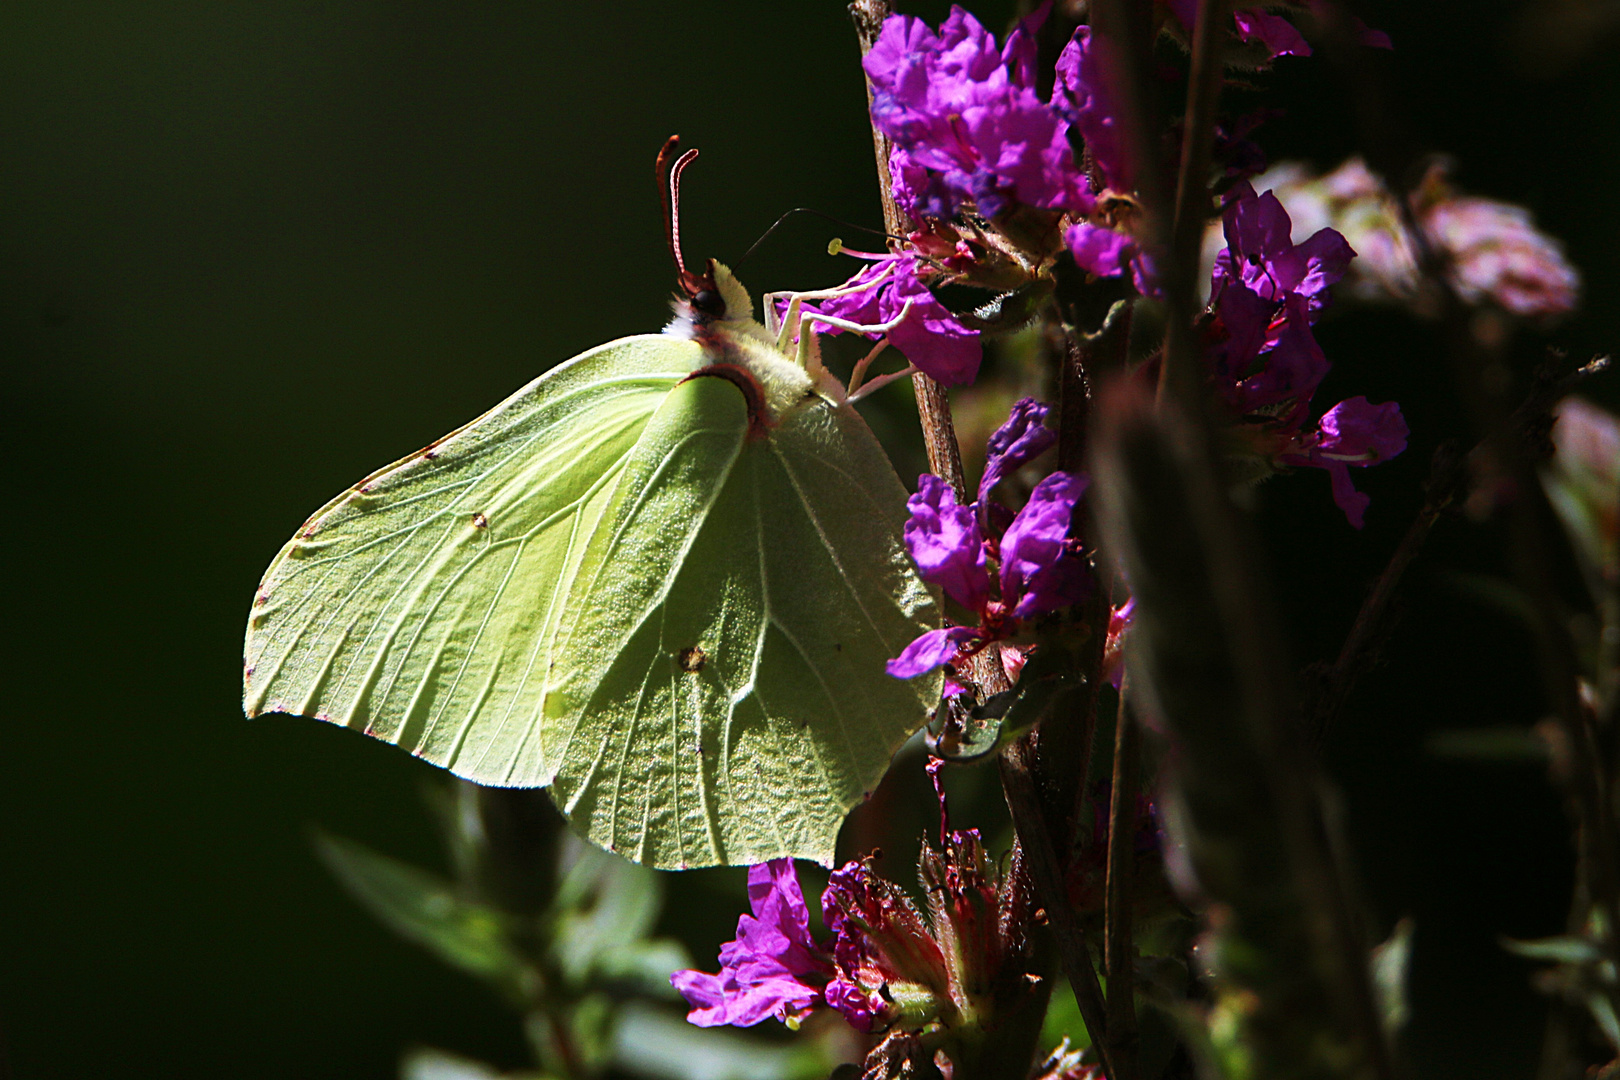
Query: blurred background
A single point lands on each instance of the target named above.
(250, 252)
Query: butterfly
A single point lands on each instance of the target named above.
(661, 579)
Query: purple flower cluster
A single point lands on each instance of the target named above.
(887, 964)
(966, 120)
(1039, 567)
(1266, 293)
(881, 961)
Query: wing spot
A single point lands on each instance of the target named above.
(691, 660)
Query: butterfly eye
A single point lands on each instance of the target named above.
(709, 302)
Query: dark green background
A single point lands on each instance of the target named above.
(249, 252)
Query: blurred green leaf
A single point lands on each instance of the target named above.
(428, 1064)
(605, 907)
(646, 966)
(1490, 744)
(423, 908)
(661, 1045)
(1390, 962)
(1603, 1012)
(1558, 950)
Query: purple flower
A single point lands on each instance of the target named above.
(1353, 432)
(1276, 33)
(969, 114)
(1286, 372)
(945, 543)
(773, 968)
(930, 336)
(931, 649)
(919, 191)
(1265, 361)
(1084, 95)
(1039, 566)
(1099, 251)
(1261, 255)
(1015, 443)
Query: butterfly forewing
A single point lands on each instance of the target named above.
(421, 605)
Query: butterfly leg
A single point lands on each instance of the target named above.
(859, 374)
(810, 354)
(868, 388)
(789, 327)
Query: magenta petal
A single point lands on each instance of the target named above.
(1100, 251)
(1277, 34)
(1325, 256)
(772, 967)
(857, 1006)
(1021, 439)
(1036, 542)
(938, 345)
(1358, 432)
(1373, 39)
(968, 113)
(1354, 503)
(929, 651)
(1087, 75)
(705, 994)
(945, 542)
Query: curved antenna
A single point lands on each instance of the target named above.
(691, 283)
(820, 214)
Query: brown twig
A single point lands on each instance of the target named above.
(933, 406)
(1448, 477)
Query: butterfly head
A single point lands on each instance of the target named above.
(713, 297)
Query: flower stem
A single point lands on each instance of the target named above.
(1120, 950)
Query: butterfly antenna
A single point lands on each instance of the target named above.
(807, 210)
(691, 283)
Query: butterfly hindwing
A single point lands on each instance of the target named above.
(720, 696)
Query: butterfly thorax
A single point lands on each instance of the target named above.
(736, 347)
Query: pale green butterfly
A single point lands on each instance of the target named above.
(662, 578)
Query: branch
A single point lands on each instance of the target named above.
(1448, 479)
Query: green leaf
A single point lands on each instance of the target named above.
(1490, 744)
(1390, 961)
(668, 597)
(423, 908)
(660, 1045)
(1063, 1020)
(1558, 950)
(965, 735)
(428, 1064)
(605, 907)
